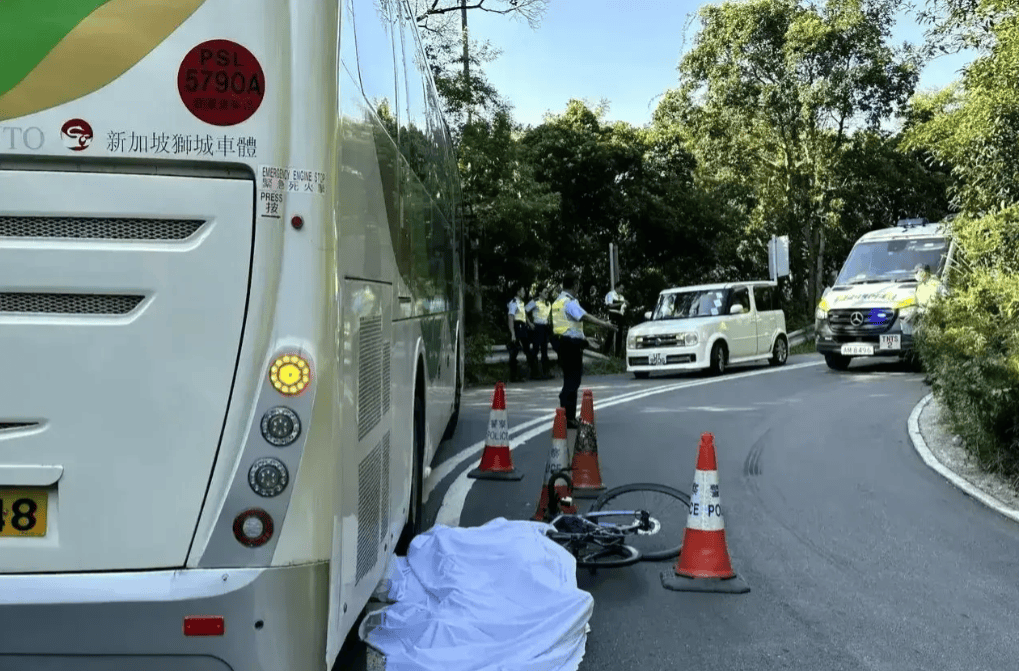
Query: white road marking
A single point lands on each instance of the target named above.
(925, 453)
(456, 496)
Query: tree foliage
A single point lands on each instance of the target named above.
(972, 337)
(769, 97)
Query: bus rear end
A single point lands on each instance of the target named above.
(160, 352)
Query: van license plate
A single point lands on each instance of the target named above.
(23, 512)
(891, 341)
(657, 359)
(858, 349)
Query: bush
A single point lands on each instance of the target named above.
(479, 345)
(969, 343)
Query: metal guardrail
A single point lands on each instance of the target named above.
(500, 355)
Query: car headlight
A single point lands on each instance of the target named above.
(631, 341)
(689, 338)
(907, 314)
(820, 314)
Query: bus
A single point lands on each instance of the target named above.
(231, 323)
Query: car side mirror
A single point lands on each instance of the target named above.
(736, 309)
(647, 316)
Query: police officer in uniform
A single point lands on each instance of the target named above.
(568, 326)
(617, 309)
(539, 309)
(928, 288)
(520, 336)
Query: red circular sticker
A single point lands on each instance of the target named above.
(221, 82)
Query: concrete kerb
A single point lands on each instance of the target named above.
(920, 445)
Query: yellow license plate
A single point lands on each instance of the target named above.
(23, 511)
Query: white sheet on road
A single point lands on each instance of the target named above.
(499, 597)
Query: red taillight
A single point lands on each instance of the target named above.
(204, 625)
(253, 527)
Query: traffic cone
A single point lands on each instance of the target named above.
(703, 564)
(586, 472)
(557, 461)
(496, 460)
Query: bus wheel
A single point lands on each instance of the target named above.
(455, 417)
(416, 514)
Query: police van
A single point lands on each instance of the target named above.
(871, 309)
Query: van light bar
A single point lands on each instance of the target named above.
(204, 625)
(290, 374)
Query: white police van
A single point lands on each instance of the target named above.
(871, 310)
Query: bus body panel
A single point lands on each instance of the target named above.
(373, 179)
(120, 350)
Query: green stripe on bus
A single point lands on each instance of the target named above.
(29, 29)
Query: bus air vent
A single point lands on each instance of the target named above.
(98, 228)
(68, 304)
(368, 478)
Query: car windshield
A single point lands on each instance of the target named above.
(687, 304)
(892, 260)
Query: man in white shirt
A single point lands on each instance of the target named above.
(520, 335)
(617, 310)
(567, 325)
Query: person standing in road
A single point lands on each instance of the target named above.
(617, 309)
(568, 319)
(520, 336)
(539, 309)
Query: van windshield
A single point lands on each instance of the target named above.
(687, 304)
(892, 260)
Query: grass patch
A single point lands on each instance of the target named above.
(807, 347)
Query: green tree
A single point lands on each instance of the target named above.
(769, 97)
(971, 339)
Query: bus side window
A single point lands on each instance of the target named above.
(374, 40)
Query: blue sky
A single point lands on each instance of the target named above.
(625, 51)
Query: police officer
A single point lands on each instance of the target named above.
(617, 309)
(520, 337)
(928, 286)
(539, 309)
(568, 325)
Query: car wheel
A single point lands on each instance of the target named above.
(719, 355)
(641, 374)
(780, 352)
(837, 361)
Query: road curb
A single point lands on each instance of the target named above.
(920, 445)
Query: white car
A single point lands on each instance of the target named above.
(709, 326)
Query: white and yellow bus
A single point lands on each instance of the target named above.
(230, 325)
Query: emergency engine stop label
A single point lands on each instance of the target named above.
(221, 82)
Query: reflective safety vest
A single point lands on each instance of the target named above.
(541, 311)
(562, 325)
(519, 315)
(927, 290)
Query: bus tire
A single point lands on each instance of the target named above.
(416, 512)
(458, 391)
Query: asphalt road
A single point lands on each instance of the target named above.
(857, 554)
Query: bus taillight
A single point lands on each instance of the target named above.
(253, 528)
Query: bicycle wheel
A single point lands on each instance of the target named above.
(668, 508)
(594, 556)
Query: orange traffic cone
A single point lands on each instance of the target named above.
(703, 564)
(586, 472)
(496, 460)
(558, 459)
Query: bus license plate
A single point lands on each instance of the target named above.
(891, 341)
(657, 359)
(858, 349)
(23, 512)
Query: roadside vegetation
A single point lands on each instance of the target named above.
(787, 118)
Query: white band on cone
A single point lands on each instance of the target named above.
(498, 429)
(705, 503)
(556, 458)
